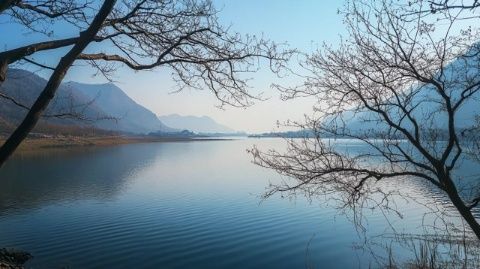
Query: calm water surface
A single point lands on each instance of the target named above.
(169, 205)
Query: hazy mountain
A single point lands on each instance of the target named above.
(24, 87)
(130, 116)
(426, 102)
(102, 106)
(196, 124)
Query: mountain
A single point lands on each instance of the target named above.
(131, 117)
(204, 124)
(425, 103)
(24, 87)
(102, 106)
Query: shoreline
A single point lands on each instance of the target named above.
(38, 144)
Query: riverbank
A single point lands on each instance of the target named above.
(36, 144)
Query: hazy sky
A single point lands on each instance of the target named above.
(304, 24)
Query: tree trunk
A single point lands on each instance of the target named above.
(3, 70)
(4, 4)
(467, 215)
(53, 83)
(461, 207)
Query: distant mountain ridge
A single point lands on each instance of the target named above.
(130, 116)
(197, 124)
(425, 104)
(103, 106)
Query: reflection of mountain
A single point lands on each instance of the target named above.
(69, 175)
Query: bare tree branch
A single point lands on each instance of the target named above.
(48, 93)
(183, 36)
(395, 85)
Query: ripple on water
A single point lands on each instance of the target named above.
(170, 205)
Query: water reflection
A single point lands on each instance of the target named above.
(54, 176)
(173, 205)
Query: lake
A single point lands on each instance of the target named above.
(172, 205)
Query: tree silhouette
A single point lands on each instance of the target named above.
(183, 36)
(396, 85)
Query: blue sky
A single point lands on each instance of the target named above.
(304, 24)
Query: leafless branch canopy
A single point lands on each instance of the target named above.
(397, 86)
(183, 36)
(442, 5)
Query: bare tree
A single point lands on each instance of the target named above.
(397, 85)
(443, 5)
(183, 36)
